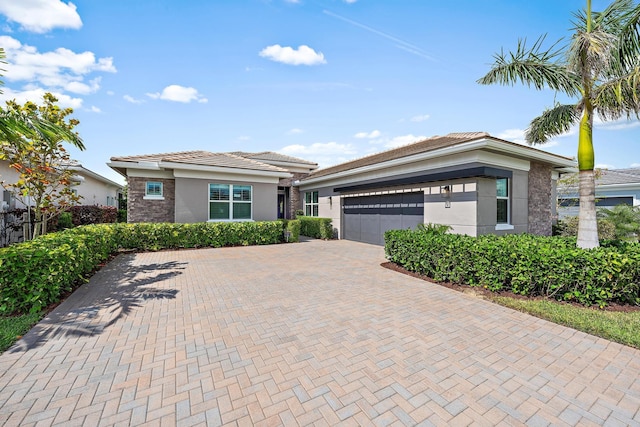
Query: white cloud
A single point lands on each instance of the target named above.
(179, 93)
(59, 70)
(110, 93)
(294, 131)
(398, 141)
(41, 16)
(619, 124)
(350, 1)
(133, 100)
(421, 118)
(95, 109)
(635, 165)
(517, 136)
(244, 138)
(369, 135)
(604, 166)
(35, 95)
(304, 55)
(324, 153)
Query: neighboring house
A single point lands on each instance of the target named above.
(197, 186)
(94, 188)
(473, 182)
(613, 187)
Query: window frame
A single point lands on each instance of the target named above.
(504, 225)
(154, 196)
(231, 201)
(311, 202)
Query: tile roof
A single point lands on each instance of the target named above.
(426, 145)
(203, 158)
(619, 176)
(271, 156)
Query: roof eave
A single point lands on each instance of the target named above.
(558, 162)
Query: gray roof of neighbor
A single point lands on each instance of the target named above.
(272, 156)
(203, 158)
(424, 146)
(619, 176)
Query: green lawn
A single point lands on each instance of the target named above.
(620, 327)
(12, 328)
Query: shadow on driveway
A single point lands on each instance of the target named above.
(122, 287)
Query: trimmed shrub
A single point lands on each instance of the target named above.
(568, 227)
(37, 273)
(293, 228)
(122, 215)
(64, 221)
(317, 228)
(524, 264)
(92, 214)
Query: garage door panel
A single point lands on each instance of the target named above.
(370, 228)
(352, 227)
(368, 217)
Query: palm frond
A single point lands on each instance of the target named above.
(533, 67)
(552, 122)
(619, 97)
(590, 53)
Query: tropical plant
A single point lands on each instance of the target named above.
(599, 69)
(42, 163)
(626, 220)
(15, 125)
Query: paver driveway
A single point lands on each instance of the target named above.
(315, 333)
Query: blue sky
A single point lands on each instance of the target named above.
(324, 80)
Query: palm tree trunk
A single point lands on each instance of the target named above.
(587, 223)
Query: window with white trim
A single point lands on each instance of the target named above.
(311, 203)
(503, 203)
(230, 202)
(153, 190)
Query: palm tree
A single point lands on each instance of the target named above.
(15, 126)
(600, 69)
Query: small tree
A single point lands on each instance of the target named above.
(41, 161)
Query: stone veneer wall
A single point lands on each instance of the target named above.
(295, 201)
(151, 210)
(540, 213)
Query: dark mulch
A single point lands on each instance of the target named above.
(488, 295)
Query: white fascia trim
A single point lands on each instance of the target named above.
(530, 153)
(82, 169)
(613, 187)
(288, 165)
(222, 169)
(135, 165)
(224, 176)
(467, 146)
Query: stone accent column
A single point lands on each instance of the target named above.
(140, 209)
(540, 194)
(295, 201)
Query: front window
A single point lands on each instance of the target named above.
(503, 205)
(230, 202)
(311, 203)
(153, 189)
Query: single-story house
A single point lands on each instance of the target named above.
(473, 182)
(613, 187)
(197, 186)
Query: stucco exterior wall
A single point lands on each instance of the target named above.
(295, 198)
(457, 209)
(140, 209)
(192, 199)
(94, 192)
(487, 209)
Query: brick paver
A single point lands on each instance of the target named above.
(315, 333)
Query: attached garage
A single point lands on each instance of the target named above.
(366, 218)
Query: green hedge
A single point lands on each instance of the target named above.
(37, 273)
(293, 227)
(524, 264)
(318, 228)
